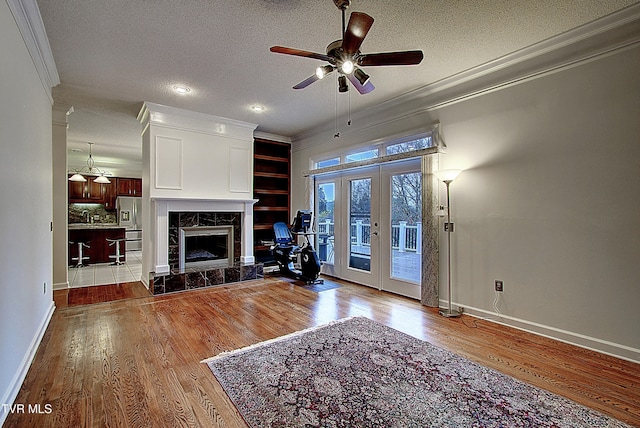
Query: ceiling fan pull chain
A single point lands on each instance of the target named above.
(336, 133)
(349, 113)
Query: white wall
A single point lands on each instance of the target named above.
(548, 202)
(26, 301)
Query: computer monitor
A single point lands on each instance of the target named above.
(302, 222)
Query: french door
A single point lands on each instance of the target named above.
(369, 226)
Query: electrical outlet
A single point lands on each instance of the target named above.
(499, 285)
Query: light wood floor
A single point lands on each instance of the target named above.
(136, 362)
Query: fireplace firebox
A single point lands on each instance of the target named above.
(206, 246)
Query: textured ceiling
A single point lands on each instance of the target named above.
(113, 55)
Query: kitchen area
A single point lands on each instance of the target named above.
(105, 231)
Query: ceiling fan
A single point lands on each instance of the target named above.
(344, 55)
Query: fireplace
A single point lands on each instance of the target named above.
(204, 246)
(202, 239)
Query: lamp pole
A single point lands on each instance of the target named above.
(449, 313)
(447, 176)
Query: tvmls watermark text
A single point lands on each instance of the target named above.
(42, 409)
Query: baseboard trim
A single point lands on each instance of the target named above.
(16, 383)
(61, 286)
(593, 344)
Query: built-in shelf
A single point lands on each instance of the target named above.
(270, 192)
(271, 209)
(272, 185)
(271, 175)
(271, 158)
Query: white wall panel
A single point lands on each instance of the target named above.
(168, 163)
(240, 169)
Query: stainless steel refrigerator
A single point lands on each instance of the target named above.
(130, 217)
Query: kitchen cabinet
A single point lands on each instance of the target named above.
(89, 192)
(129, 186)
(76, 190)
(109, 195)
(96, 237)
(271, 186)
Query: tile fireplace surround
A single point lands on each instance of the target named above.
(192, 278)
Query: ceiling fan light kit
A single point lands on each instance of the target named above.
(362, 77)
(342, 84)
(344, 55)
(323, 71)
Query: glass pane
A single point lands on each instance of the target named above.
(326, 215)
(409, 146)
(360, 224)
(406, 227)
(368, 154)
(328, 162)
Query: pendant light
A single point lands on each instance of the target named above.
(91, 169)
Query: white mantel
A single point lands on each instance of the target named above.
(193, 162)
(161, 214)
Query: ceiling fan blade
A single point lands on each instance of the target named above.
(391, 58)
(356, 31)
(363, 89)
(306, 82)
(299, 52)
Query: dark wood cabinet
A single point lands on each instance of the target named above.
(271, 186)
(76, 190)
(99, 249)
(109, 195)
(90, 192)
(129, 187)
(137, 187)
(95, 192)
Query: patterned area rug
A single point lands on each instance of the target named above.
(359, 373)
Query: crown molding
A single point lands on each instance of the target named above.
(601, 37)
(29, 23)
(60, 113)
(272, 137)
(186, 120)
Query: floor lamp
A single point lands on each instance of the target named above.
(447, 176)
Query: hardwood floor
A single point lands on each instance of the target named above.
(99, 294)
(136, 362)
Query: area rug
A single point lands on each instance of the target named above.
(359, 373)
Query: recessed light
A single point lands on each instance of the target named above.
(258, 108)
(181, 89)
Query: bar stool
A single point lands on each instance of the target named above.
(81, 257)
(117, 256)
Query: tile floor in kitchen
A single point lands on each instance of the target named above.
(100, 274)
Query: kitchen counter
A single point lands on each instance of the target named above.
(95, 235)
(83, 226)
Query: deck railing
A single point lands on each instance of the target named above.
(404, 238)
